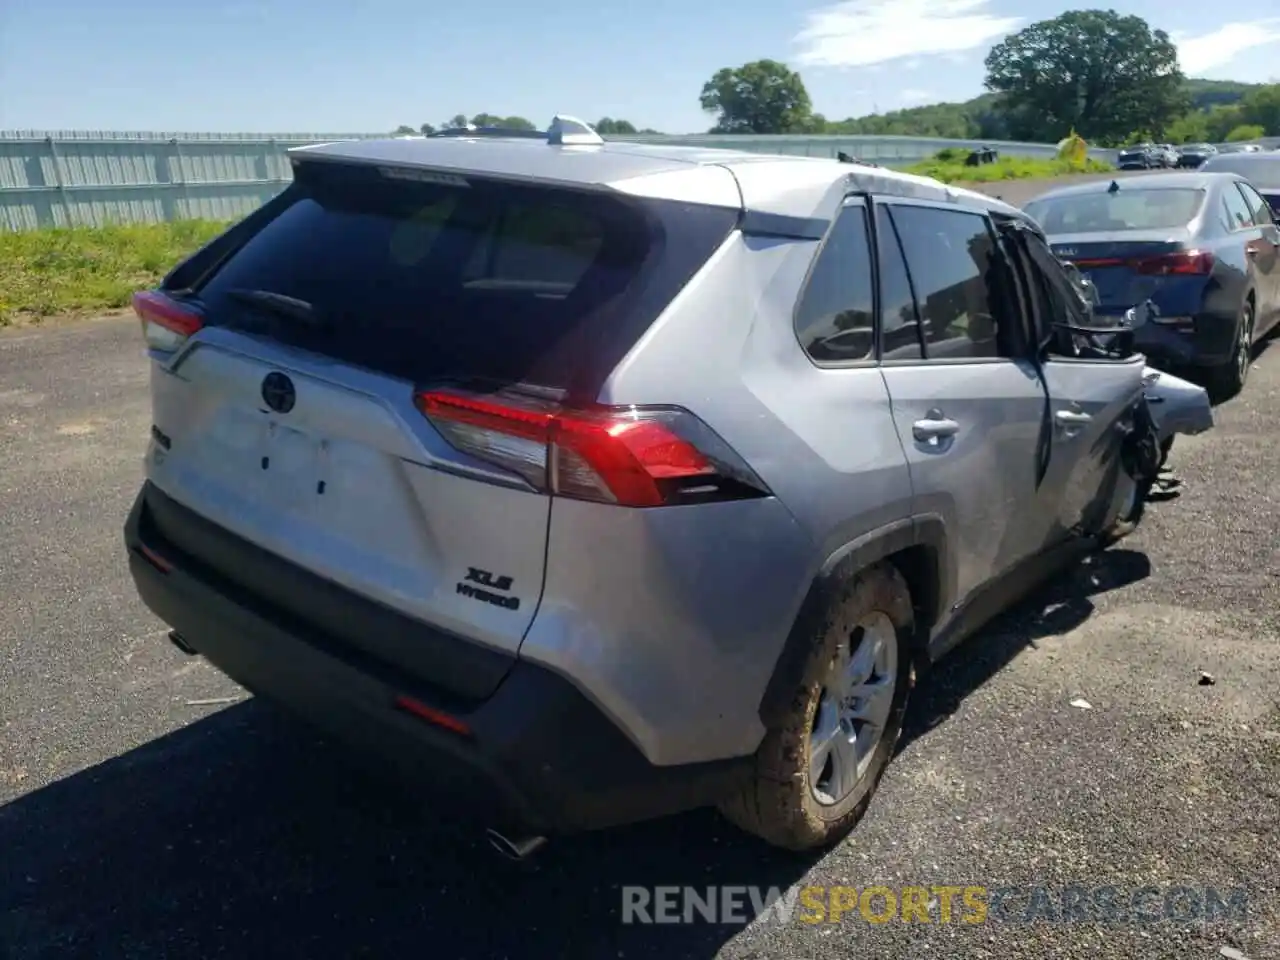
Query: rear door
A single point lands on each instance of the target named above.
(1264, 250)
(969, 408)
(291, 417)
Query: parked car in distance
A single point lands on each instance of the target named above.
(1194, 154)
(1167, 155)
(597, 481)
(1139, 156)
(1262, 170)
(1204, 247)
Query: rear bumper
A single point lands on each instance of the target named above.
(1209, 341)
(535, 755)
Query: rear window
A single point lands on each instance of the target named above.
(1263, 173)
(1127, 209)
(468, 280)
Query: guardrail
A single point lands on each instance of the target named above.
(76, 178)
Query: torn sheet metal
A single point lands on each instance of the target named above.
(1176, 405)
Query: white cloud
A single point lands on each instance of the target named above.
(864, 32)
(1198, 54)
(918, 96)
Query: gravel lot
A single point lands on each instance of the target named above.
(141, 820)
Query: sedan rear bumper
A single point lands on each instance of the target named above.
(1206, 340)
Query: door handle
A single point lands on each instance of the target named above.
(1071, 418)
(934, 428)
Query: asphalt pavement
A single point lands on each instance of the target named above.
(151, 810)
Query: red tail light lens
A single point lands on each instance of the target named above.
(166, 324)
(1182, 263)
(634, 457)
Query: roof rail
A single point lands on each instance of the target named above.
(471, 130)
(564, 131)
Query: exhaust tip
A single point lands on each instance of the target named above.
(517, 849)
(180, 642)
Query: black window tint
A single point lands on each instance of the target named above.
(834, 319)
(1239, 216)
(950, 257)
(1260, 208)
(899, 325)
(492, 281)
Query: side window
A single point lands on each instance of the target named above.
(951, 258)
(899, 323)
(1239, 216)
(1260, 208)
(834, 317)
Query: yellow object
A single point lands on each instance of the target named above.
(1073, 149)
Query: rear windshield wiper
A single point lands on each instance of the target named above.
(281, 306)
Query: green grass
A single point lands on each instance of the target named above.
(82, 270)
(950, 170)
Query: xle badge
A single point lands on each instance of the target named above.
(480, 585)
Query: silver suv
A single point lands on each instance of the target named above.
(597, 481)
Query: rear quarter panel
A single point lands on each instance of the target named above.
(673, 619)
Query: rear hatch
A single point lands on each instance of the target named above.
(292, 417)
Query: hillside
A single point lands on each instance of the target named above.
(981, 118)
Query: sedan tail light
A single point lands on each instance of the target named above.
(1181, 263)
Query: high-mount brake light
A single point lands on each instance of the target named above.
(634, 457)
(166, 324)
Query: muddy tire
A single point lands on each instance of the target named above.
(800, 797)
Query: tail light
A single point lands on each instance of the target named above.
(1184, 262)
(634, 456)
(166, 324)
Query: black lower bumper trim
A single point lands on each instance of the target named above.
(540, 756)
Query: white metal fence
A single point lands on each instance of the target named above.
(75, 178)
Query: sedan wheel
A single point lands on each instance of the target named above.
(1228, 379)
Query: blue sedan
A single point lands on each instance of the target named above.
(1202, 248)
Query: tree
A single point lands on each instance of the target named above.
(1094, 71)
(403, 131)
(1192, 128)
(606, 125)
(1262, 107)
(764, 96)
(427, 129)
(1221, 120)
(1247, 131)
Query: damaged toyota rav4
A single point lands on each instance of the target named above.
(589, 482)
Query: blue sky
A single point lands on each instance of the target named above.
(369, 65)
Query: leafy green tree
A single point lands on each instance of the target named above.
(427, 129)
(1247, 131)
(402, 131)
(1191, 128)
(1094, 71)
(509, 123)
(1262, 107)
(607, 125)
(1221, 120)
(763, 96)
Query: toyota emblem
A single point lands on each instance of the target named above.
(278, 392)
